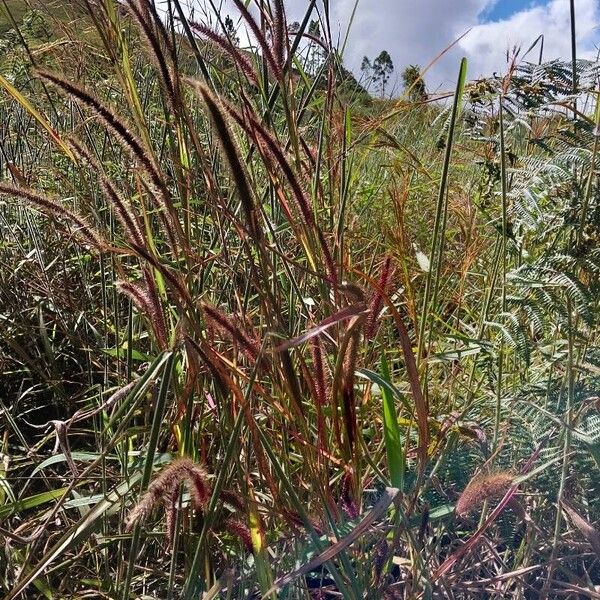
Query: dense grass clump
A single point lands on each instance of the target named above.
(266, 337)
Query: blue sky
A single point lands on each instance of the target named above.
(505, 8)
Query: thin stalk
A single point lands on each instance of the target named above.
(440, 210)
(566, 448)
(157, 423)
(592, 174)
(573, 56)
(193, 583)
(504, 250)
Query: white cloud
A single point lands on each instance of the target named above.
(416, 31)
(412, 32)
(486, 44)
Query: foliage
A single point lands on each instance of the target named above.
(378, 71)
(414, 84)
(226, 291)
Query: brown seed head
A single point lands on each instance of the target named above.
(481, 488)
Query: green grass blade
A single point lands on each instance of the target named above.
(37, 115)
(157, 423)
(391, 433)
(432, 282)
(79, 532)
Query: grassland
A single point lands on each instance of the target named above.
(57, 14)
(264, 337)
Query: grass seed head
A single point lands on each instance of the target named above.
(165, 490)
(481, 488)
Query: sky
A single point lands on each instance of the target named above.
(503, 9)
(416, 31)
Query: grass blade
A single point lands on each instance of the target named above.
(391, 432)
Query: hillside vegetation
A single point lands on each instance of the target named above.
(264, 336)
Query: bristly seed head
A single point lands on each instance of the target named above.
(239, 530)
(249, 346)
(377, 300)
(165, 490)
(481, 488)
(227, 46)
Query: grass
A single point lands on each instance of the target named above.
(266, 338)
(59, 16)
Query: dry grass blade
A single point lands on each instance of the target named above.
(352, 340)
(422, 409)
(589, 532)
(376, 512)
(14, 92)
(338, 317)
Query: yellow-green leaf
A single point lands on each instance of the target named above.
(16, 94)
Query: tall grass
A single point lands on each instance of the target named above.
(221, 378)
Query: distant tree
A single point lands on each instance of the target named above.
(314, 28)
(414, 83)
(378, 72)
(316, 52)
(366, 65)
(230, 31)
(383, 67)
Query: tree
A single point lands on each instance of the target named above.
(379, 71)
(316, 53)
(414, 83)
(366, 66)
(383, 67)
(230, 31)
(314, 28)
